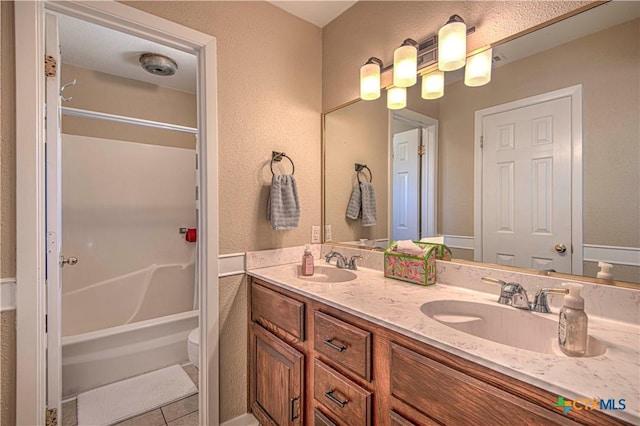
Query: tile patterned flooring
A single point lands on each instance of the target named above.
(183, 412)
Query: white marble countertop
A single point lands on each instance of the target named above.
(396, 305)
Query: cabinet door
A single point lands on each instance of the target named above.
(277, 380)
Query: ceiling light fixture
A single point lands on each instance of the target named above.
(370, 79)
(405, 64)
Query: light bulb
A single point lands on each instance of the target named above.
(478, 69)
(405, 64)
(452, 44)
(397, 98)
(370, 79)
(433, 85)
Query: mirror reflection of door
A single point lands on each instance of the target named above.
(526, 186)
(413, 176)
(406, 185)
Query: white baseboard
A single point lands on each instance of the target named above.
(459, 242)
(7, 294)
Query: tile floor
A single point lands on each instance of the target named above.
(180, 413)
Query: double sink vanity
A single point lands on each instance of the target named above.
(355, 348)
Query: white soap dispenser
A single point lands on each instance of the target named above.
(572, 327)
(605, 271)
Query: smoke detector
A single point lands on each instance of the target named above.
(158, 64)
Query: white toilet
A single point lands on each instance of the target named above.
(193, 347)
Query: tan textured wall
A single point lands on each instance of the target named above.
(611, 152)
(8, 367)
(97, 91)
(233, 346)
(376, 28)
(8, 147)
(356, 134)
(269, 99)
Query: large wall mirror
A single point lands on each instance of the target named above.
(572, 87)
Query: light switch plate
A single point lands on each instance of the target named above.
(315, 234)
(327, 232)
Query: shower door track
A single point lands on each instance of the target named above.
(128, 120)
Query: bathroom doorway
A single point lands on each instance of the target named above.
(130, 202)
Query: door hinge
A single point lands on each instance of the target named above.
(481, 141)
(421, 150)
(46, 323)
(50, 66)
(196, 161)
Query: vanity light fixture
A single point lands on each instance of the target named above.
(452, 44)
(433, 85)
(370, 79)
(397, 97)
(405, 64)
(478, 69)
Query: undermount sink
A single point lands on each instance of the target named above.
(326, 274)
(503, 324)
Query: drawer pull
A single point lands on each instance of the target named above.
(329, 394)
(294, 413)
(329, 342)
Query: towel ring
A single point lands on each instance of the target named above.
(360, 169)
(277, 157)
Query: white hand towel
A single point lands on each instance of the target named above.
(283, 206)
(409, 247)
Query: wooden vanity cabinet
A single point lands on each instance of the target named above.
(353, 372)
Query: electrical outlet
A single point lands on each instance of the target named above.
(327, 232)
(315, 234)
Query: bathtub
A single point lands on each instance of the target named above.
(126, 326)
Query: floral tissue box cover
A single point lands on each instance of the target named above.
(415, 269)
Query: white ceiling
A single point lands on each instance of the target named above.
(113, 52)
(317, 12)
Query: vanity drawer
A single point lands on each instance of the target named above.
(343, 343)
(321, 420)
(399, 420)
(347, 401)
(281, 315)
(452, 397)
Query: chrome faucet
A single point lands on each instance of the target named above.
(540, 303)
(341, 261)
(513, 294)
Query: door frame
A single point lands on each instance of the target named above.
(30, 191)
(575, 94)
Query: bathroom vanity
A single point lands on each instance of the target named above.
(366, 351)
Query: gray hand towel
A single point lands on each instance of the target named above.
(355, 202)
(369, 215)
(283, 206)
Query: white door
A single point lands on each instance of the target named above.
(406, 186)
(526, 186)
(53, 219)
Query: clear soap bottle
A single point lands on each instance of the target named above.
(307, 262)
(572, 326)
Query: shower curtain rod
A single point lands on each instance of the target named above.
(129, 120)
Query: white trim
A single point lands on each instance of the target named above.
(243, 420)
(459, 242)
(231, 264)
(76, 112)
(575, 93)
(611, 254)
(7, 294)
(30, 247)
